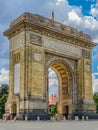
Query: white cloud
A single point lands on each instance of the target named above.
(51, 72)
(90, 23)
(52, 83)
(73, 17)
(58, 2)
(95, 82)
(87, 23)
(4, 76)
(94, 10)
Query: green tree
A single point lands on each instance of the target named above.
(54, 110)
(3, 99)
(3, 89)
(95, 97)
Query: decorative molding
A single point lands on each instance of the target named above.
(43, 26)
(86, 53)
(62, 47)
(16, 58)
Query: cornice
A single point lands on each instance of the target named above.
(50, 31)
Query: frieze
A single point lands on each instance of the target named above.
(58, 35)
(31, 18)
(62, 48)
(43, 26)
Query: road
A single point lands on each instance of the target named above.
(49, 125)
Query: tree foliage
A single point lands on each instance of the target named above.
(54, 110)
(95, 97)
(3, 89)
(3, 98)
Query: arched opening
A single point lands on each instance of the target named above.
(63, 88)
(53, 89)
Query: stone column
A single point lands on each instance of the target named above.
(11, 76)
(85, 96)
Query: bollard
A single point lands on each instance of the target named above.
(86, 117)
(26, 118)
(82, 118)
(76, 118)
(51, 118)
(64, 118)
(38, 118)
(11, 117)
(69, 117)
(15, 118)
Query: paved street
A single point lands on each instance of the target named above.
(48, 125)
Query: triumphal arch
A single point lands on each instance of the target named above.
(37, 43)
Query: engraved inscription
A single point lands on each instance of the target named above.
(62, 48)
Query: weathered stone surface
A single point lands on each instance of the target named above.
(37, 44)
(62, 48)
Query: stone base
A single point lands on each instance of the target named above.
(59, 117)
(6, 116)
(33, 116)
(84, 115)
(89, 108)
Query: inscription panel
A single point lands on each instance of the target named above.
(62, 48)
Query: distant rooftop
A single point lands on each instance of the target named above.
(53, 100)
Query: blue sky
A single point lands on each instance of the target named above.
(84, 4)
(80, 14)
